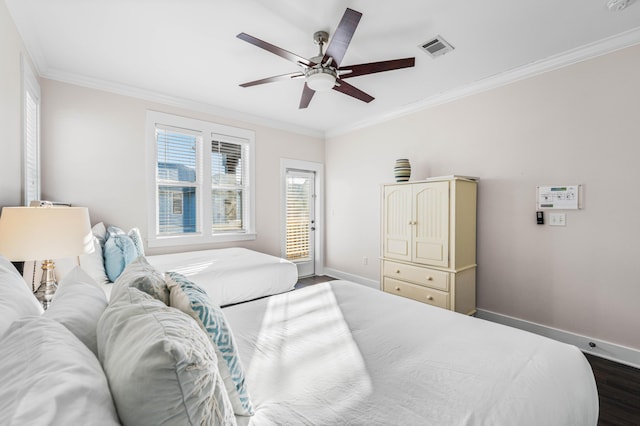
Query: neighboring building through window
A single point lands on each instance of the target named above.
(178, 203)
(203, 190)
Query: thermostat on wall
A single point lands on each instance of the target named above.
(562, 197)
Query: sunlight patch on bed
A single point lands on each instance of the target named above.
(305, 354)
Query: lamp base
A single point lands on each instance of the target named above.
(48, 284)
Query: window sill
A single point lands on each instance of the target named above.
(198, 239)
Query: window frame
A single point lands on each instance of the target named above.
(30, 146)
(204, 230)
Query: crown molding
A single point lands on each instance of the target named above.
(175, 101)
(570, 57)
(562, 60)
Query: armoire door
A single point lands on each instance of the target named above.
(397, 222)
(431, 223)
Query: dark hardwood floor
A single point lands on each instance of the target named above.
(316, 279)
(618, 384)
(618, 391)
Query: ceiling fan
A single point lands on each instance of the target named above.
(323, 72)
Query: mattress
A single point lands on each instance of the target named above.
(231, 275)
(342, 353)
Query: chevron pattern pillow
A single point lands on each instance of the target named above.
(194, 301)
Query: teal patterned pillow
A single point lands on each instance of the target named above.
(194, 301)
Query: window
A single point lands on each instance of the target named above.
(227, 189)
(202, 183)
(30, 134)
(177, 179)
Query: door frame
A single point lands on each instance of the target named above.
(318, 168)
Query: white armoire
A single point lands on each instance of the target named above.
(429, 241)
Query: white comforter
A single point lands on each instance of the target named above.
(231, 275)
(340, 353)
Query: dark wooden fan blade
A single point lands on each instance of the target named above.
(307, 94)
(342, 37)
(347, 89)
(374, 67)
(274, 79)
(274, 49)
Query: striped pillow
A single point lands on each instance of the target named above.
(194, 301)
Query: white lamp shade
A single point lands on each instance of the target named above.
(36, 233)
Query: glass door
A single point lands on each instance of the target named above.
(300, 220)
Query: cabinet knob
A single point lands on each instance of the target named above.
(397, 271)
(429, 297)
(429, 278)
(397, 288)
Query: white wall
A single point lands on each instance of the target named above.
(94, 155)
(11, 47)
(576, 125)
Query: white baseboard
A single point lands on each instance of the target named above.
(608, 350)
(351, 277)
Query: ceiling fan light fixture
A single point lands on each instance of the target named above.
(321, 79)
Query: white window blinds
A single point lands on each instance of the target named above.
(228, 185)
(298, 193)
(178, 180)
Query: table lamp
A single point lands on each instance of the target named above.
(48, 232)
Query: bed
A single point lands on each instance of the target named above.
(342, 353)
(229, 275)
(328, 354)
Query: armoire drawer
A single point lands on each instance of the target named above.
(416, 292)
(417, 275)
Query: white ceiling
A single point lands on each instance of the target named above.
(186, 51)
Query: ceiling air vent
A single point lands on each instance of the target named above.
(436, 47)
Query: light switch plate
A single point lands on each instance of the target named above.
(557, 219)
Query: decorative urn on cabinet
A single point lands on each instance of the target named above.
(402, 170)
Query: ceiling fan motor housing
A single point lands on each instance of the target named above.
(321, 78)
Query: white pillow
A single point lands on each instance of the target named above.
(93, 262)
(100, 232)
(78, 304)
(141, 275)
(160, 365)
(16, 299)
(192, 300)
(50, 378)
